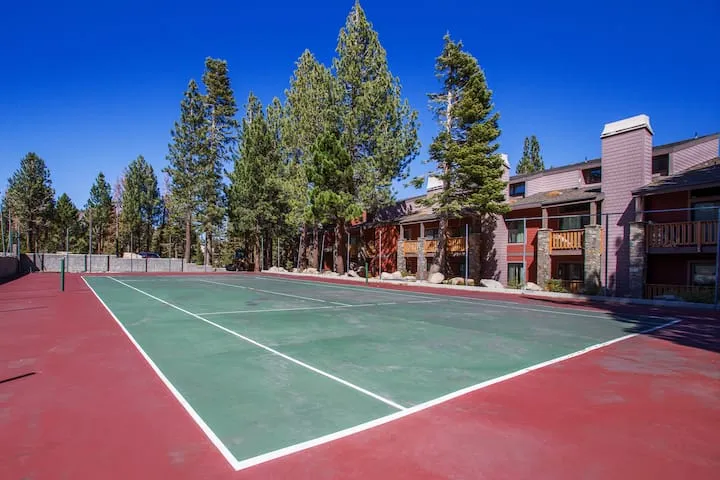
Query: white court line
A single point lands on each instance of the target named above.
(333, 307)
(453, 298)
(269, 349)
(273, 293)
(185, 404)
(431, 403)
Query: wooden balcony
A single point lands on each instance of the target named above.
(567, 240)
(430, 246)
(682, 234)
(410, 247)
(689, 293)
(456, 245)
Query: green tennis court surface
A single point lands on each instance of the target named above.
(266, 363)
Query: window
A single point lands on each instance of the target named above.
(574, 221)
(432, 233)
(702, 274)
(704, 211)
(661, 165)
(515, 274)
(592, 175)
(571, 272)
(516, 233)
(517, 189)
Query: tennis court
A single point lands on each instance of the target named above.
(268, 366)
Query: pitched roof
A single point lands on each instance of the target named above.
(706, 174)
(557, 197)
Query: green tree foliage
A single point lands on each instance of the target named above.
(378, 128)
(185, 161)
(332, 194)
(140, 204)
(531, 160)
(220, 110)
(100, 208)
(30, 200)
(255, 188)
(67, 230)
(464, 152)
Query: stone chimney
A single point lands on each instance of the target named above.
(626, 147)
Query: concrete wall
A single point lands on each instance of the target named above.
(50, 262)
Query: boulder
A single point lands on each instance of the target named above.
(489, 283)
(436, 277)
(397, 276)
(471, 282)
(533, 287)
(311, 270)
(295, 270)
(410, 278)
(330, 273)
(457, 281)
(352, 273)
(386, 276)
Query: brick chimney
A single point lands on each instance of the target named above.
(626, 165)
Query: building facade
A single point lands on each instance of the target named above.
(641, 221)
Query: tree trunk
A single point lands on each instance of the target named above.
(302, 253)
(256, 254)
(439, 259)
(313, 260)
(209, 250)
(340, 246)
(188, 237)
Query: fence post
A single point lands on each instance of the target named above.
(62, 274)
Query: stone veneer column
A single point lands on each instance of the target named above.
(543, 257)
(401, 255)
(638, 259)
(421, 268)
(592, 249)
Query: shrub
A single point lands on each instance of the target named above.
(555, 285)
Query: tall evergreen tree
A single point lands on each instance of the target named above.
(100, 209)
(255, 186)
(332, 196)
(220, 110)
(311, 109)
(185, 159)
(30, 198)
(66, 225)
(378, 128)
(465, 150)
(531, 160)
(140, 203)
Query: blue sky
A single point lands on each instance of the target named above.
(91, 86)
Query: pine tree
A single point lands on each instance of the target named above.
(185, 160)
(220, 110)
(311, 109)
(333, 196)
(465, 150)
(66, 225)
(255, 186)
(531, 160)
(30, 199)
(378, 128)
(140, 203)
(100, 208)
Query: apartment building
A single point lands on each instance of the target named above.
(638, 221)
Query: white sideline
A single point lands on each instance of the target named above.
(328, 307)
(269, 349)
(431, 403)
(184, 403)
(273, 293)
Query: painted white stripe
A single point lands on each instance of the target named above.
(476, 301)
(329, 307)
(269, 349)
(274, 293)
(431, 403)
(184, 403)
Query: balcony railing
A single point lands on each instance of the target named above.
(682, 234)
(567, 239)
(456, 245)
(431, 246)
(689, 293)
(410, 247)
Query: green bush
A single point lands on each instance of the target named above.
(514, 284)
(555, 285)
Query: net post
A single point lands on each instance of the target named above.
(366, 272)
(62, 274)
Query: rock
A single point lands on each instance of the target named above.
(489, 283)
(471, 282)
(295, 270)
(352, 273)
(397, 276)
(311, 270)
(457, 281)
(386, 276)
(330, 273)
(436, 277)
(533, 287)
(410, 278)
(281, 269)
